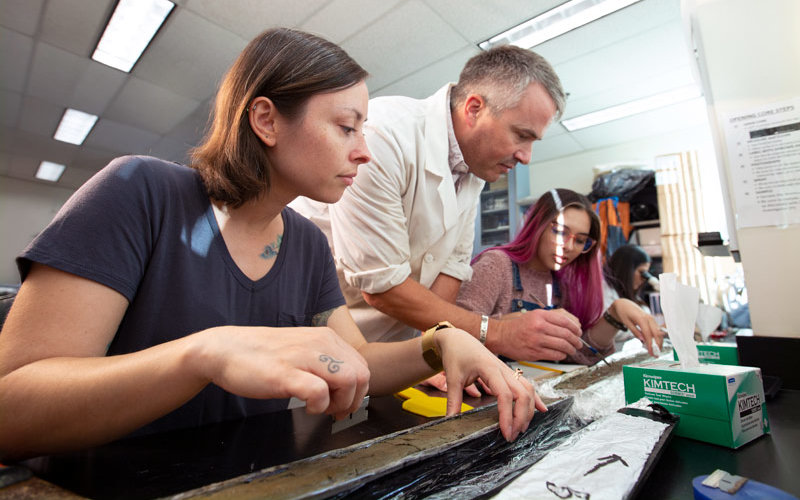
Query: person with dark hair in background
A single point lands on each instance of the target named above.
(626, 273)
(554, 264)
(164, 296)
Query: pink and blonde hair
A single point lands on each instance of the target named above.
(581, 281)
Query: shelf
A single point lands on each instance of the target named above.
(645, 223)
(497, 213)
(528, 200)
(495, 229)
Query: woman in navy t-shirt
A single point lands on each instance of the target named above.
(164, 296)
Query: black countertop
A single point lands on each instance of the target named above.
(772, 459)
(170, 463)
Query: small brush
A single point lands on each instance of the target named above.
(595, 351)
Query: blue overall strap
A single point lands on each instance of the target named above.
(517, 279)
(520, 304)
(556, 287)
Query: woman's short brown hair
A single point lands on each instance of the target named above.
(288, 67)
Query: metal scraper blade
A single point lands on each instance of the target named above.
(358, 416)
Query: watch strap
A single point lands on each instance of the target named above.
(619, 325)
(430, 353)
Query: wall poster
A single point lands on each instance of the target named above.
(764, 154)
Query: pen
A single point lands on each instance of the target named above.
(549, 289)
(595, 351)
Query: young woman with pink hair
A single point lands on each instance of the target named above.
(554, 263)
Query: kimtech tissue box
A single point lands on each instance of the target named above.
(718, 353)
(719, 404)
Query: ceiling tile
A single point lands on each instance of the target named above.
(40, 117)
(191, 129)
(20, 142)
(98, 84)
(165, 108)
(10, 106)
(554, 129)
(75, 177)
(427, 80)
(659, 121)
(5, 163)
(75, 25)
(391, 33)
(336, 22)
(170, 150)
(189, 55)
(635, 89)
(21, 15)
(478, 20)
(251, 17)
(55, 73)
(637, 19)
(24, 167)
(17, 51)
(411, 47)
(642, 58)
(92, 159)
(121, 138)
(554, 147)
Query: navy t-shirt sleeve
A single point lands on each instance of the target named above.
(105, 230)
(314, 251)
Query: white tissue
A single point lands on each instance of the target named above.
(679, 304)
(708, 319)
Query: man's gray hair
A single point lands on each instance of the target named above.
(501, 75)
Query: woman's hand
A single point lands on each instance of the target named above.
(439, 381)
(311, 364)
(641, 324)
(465, 360)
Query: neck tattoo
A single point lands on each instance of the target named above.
(271, 250)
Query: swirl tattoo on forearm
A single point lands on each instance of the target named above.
(333, 364)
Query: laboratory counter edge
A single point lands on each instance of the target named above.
(175, 462)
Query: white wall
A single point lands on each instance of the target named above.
(25, 209)
(750, 56)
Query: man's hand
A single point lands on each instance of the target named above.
(541, 334)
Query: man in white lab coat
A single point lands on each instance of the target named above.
(402, 234)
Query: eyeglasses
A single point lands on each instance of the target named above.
(562, 235)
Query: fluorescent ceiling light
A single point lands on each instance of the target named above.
(75, 126)
(131, 27)
(555, 22)
(631, 108)
(49, 171)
